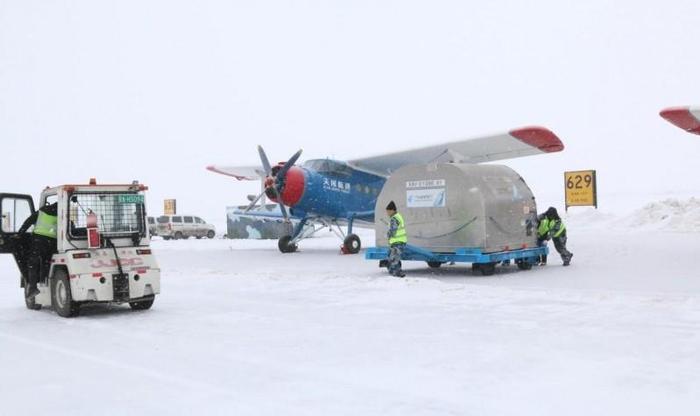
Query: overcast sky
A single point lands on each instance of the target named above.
(157, 90)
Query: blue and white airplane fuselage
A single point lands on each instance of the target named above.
(331, 189)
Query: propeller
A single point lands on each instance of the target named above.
(274, 180)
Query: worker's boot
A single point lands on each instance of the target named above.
(567, 260)
(32, 292)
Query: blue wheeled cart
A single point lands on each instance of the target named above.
(484, 262)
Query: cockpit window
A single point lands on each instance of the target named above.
(329, 167)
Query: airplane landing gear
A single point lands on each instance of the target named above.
(352, 244)
(285, 245)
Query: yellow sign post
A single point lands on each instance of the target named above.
(169, 207)
(580, 189)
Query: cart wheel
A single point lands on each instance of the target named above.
(144, 304)
(352, 244)
(30, 303)
(434, 264)
(524, 264)
(487, 269)
(284, 244)
(61, 297)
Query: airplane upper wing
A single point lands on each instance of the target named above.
(520, 142)
(687, 118)
(242, 173)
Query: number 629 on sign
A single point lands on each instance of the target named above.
(580, 188)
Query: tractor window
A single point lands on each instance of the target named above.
(177, 219)
(118, 213)
(188, 220)
(14, 212)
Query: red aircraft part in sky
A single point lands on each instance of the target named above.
(682, 117)
(539, 137)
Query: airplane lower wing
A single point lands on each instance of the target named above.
(242, 173)
(687, 118)
(526, 141)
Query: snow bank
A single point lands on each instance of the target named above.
(670, 214)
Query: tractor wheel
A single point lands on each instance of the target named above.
(61, 298)
(434, 264)
(352, 244)
(487, 269)
(142, 305)
(210, 234)
(30, 303)
(285, 246)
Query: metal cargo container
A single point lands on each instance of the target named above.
(450, 206)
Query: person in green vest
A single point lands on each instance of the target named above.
(397, 240)
(45, 222)
(551, 227)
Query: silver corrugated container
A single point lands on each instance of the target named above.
(450, 205)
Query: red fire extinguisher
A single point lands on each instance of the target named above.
(92, 230)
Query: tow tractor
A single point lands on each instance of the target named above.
(102, 252)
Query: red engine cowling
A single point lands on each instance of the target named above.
(294, 185)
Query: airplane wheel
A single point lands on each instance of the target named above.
(61, 297)
(352, 244)
(284, 244)
(434, 264)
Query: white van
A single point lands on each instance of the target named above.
(184, 226)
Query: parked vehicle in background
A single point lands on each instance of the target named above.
(183, 226)
(152, 228)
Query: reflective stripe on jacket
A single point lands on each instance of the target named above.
(557, 228)
(400, 233)
(46, 225)
(543, 228)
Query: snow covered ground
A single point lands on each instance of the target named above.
(241, 329)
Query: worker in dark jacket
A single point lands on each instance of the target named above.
(45, 222)
(551, 226)
(397, 239)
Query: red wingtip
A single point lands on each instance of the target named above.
(539, 137)
(682, 117)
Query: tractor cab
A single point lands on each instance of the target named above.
(102, 251)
